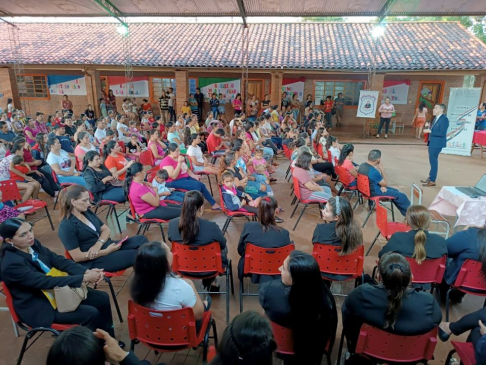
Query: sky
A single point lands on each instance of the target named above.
(170, 19)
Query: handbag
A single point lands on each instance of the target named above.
(116, 182)
(68, 299)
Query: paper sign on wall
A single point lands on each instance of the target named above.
(66, 85)
(292, 86)
(397, 91)
(140, 86)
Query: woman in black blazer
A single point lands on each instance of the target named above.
(339, 229)
(24, 265)
(87, 238)
(264, 233)
(99, 179)
(418, 242)
(391, 305)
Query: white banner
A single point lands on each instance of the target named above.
(462, 110)
(397, 91)
(368, 99)
(293, 87)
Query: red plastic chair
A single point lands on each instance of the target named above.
(62, 185)
(364, 190)
(31, 331)
(110, 211)
(470, 281)
(386, 229)
(146, 158)
(465, 350)
(5, 309)
(262, 261)
(284, 338)
(330, 262)
(200, 173)
(299, 200)
(145, 223)
(345, 180)
(430, 271)
(169, 331)
(380, 345)
(122, 146)
(107, 277)
(10, 191)
(192, 261)
(211, 353)
(232, 214)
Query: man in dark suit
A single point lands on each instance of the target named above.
(437, 141)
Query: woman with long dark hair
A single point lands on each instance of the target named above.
(264, 233)
(419, 119)
(248, 340)
(154, 286)
(346, 162)
(417, 243)
(339, 229)
(144, 198)
(87, 238)
(99, 179)
(24, 266)
(391, 305)
(302, 302)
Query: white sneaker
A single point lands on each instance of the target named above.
(386, 136)
(377, 136)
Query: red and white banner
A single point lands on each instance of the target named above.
(397, 91)
(292, 86)
(139, 89)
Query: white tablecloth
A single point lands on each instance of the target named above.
(469, 211)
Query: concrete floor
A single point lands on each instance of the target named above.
(406, 162)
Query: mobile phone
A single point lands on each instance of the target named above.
(119, 243)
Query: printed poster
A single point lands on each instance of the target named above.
(397, 91)
(220, 85)
(292, 86)
(368, 100)
(462, 110)
(140, 86)
(66, 85)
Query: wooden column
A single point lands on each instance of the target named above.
(276, 87)
(182, 89)
(378, 82)
(93, 89)
(8, 87)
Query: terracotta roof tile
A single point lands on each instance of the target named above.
(325, 46)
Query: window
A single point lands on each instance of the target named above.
(350, 90)
(161, 84)
(34, 87)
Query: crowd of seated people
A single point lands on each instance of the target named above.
(87, 154)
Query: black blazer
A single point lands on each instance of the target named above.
(132, 359)
(367, 304)
(403, 243)
(208, 232)
(272, 238)
(95, 185)
(25, 279)
(74, 233)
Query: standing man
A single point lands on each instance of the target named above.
(200, 99)
(172, 114)
(437, 133)
(339, 105)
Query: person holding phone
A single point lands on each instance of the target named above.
(87, 238)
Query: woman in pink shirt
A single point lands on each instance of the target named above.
(346, 162)
(145, 199)
(237, 104)
(156, 146)
(386, 110)
(30, 131)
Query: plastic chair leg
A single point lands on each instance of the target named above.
(338, 362)
(373, 243)
(241, 295)
(287, 173)
(210, 185)
(369, 214)
(113, 212)
(300, 216)
(293, 212)
(49, 217)
(447, 304)
(340, 190)
(392, 210)
(215, 332)
(449, 357)
(230, 265)
(162, 231)
(227, 294)
(226, 224)
(113, 295)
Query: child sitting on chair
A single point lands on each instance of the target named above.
(164, 192)
(235, 199)
(258, 160)
(19, 165)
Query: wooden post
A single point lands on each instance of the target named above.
(93, 89)
(8, 87)
(182, 89)
(276, 87)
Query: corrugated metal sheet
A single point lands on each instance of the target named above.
(195, 8)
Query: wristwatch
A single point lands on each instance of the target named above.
(102, 241)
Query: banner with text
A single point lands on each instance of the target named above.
(138, 89)
(397, 91)
(219, 85)
(292, 86)
(462, 110)
(66, 85)
(368, 100)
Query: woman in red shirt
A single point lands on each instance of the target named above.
(328, 106)
(67, 104)
(116, 161)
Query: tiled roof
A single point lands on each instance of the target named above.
(316, 46)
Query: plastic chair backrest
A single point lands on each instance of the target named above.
(284, 337)
(364, 185)
(9, 301)
(197, 259)
(10, 190)
(382, 220)
(386, 346)
(54, 177)
(265, 261)
(471, 277)
(465, 350)
(416, 193)
(329, 156)
(330, 262)
(296, 188)
(67, 255)
(175, 328)
(122, 146)
(343, 176)
(429, 271)
(146, 158)
(151, 173)
(132, 208)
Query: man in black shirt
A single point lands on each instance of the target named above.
(200, 99)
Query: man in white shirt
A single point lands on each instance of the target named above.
(100, 133)
(172, 114)
(123, 132)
